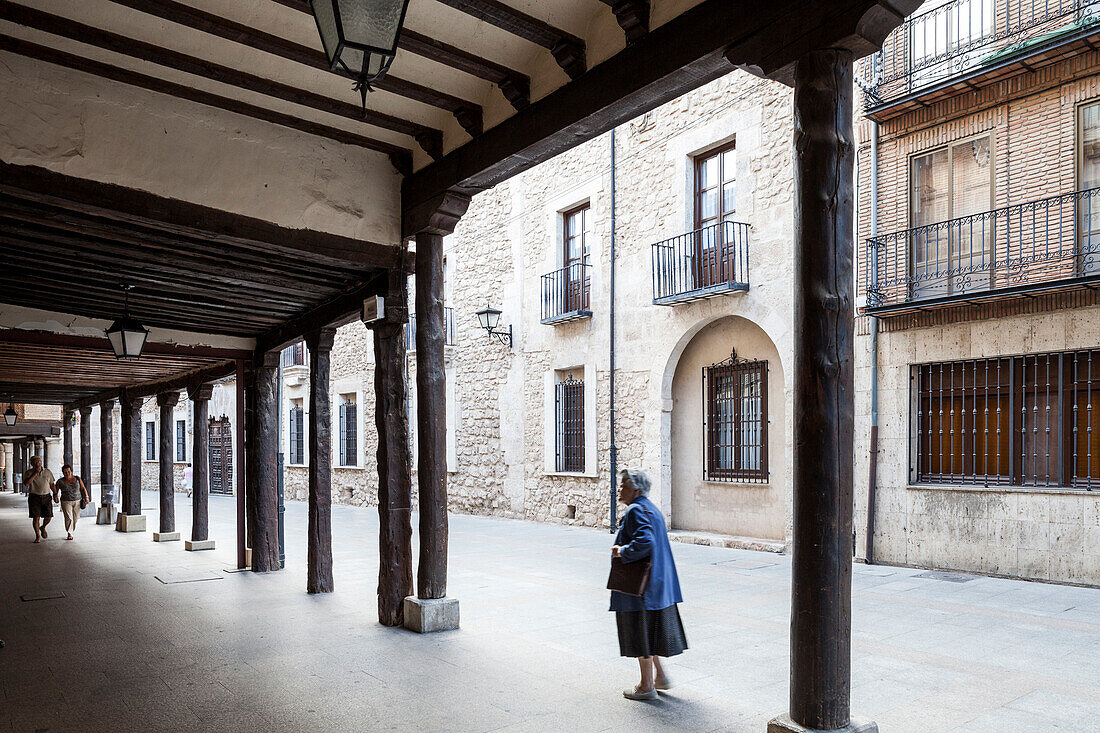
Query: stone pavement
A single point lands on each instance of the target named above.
(123, 650)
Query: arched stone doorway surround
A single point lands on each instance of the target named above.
(753, 510)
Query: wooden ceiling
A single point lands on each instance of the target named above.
(45, 368)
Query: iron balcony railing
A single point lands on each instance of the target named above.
(1044, 241)
(566, 293)
(959, 36)
(706, 262)
(448, 329)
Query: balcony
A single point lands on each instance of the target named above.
(964, 45)
(565, 294)
(704, 263)
(448, 330)
(1047, 245)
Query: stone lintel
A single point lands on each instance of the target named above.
(166, 536)
(130, 523)
(427, 615)
(195, 545)
(784, 724)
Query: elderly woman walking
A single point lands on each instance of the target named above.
(649, 625)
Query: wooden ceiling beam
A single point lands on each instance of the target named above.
(162, 86)
(341, 310)
(174, 383)
(632, 16)
(186, 219)
(429, 139)
(568, 50)
(701, 44)
(515, 86)
(469, 114)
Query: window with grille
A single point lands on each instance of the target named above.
(150, 441)
(569, 425)
(1023, 420)
(348, 439)
(297, 441)
(296, 355)
(181, 441)
(735, 393)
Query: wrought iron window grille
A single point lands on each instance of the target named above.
(569, 425)
(735, 421)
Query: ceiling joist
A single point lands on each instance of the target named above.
(567, 49)
(467, 113)
(632, 16)
(429, 139)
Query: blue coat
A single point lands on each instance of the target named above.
(643, 535)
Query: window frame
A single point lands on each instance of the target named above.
(712, 421)
(296, 437)
(181, 441)
(1043, 387)
(348, 431)
(150, 440)
(570, 448)
(698, 161)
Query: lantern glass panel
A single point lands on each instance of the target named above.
(489, 318)
(372, 24)
(135, 342)
(116, 342)
(324, 12)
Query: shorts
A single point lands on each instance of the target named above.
(41, 505)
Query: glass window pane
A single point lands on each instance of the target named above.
(708, 205)
(729, 165)
(1090, 146)
(708, 173)
(729, 198)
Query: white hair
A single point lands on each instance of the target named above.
(638, 479)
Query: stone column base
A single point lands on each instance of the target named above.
(194, 545)
(426, 615)
(784, 724)
(107, 514)
(130, 523)
(166, 536)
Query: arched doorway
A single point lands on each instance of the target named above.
(728, 433)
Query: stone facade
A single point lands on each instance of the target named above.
(1048, 532)
(500, 400)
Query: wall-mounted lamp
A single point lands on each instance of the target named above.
(489, 318)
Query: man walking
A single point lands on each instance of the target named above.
(40, 483)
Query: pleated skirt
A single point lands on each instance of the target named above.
(645, 633)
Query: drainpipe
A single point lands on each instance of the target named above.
(279, 427)
(872, 471)
(611, 356)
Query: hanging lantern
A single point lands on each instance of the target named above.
(10, 415)
(126, 335)
(360, 37)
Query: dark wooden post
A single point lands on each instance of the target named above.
(431, 413)
(106, 453)
(200, 469)
(263, 447)
(391, 420)
(42, 450)
(241, 415)
(86, 447)
(67, 437)
(167, 403)
(130, 519)
(821, 613)
(319, 532)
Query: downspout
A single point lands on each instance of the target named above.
(613, 501)
(872, 470)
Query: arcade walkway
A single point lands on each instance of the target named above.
(246, 652)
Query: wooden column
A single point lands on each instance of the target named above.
(42, 450)
(67, 437)
(240, 430)
(86, 447)
(262, 442)
(200, 463)
(131, 455)
(167, 403)
(431, 414)
(319, 531)
(106, 453)
(391, 420)
(821, 616)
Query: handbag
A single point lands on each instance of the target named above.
(630, 578)
(83, 502)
